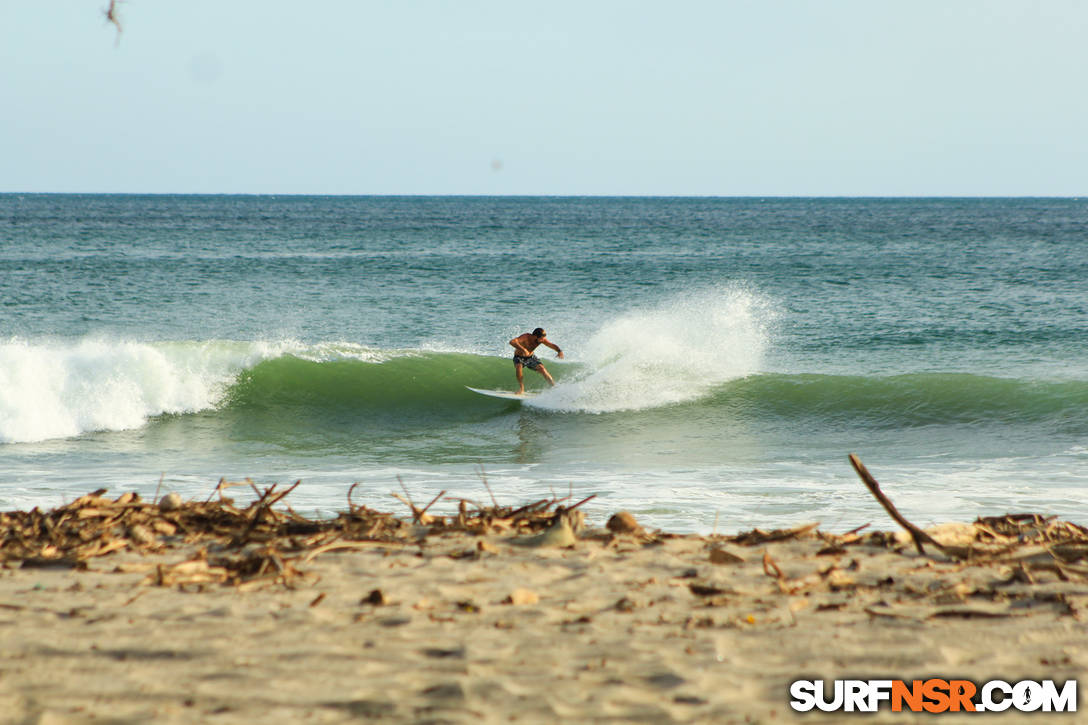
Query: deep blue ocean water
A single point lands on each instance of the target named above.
(723, 356)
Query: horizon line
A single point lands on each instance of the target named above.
(542, 195)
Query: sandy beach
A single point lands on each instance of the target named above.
(544, 623)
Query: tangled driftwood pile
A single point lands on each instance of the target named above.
(475, 518)
(253, 545)
(267, 543)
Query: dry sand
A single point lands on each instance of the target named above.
(461, 628)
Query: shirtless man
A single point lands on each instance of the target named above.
(523, 355)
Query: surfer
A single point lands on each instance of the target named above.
(523, 355)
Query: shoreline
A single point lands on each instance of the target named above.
(504, 614)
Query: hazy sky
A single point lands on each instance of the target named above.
(767, 97)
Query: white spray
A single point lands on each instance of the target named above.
(674, 352)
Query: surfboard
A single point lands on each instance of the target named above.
(504, 394)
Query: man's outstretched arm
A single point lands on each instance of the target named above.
(552, 345)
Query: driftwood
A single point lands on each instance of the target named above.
(1030, 542)
(478, 519)
(254, 542)
(916, 534)
(758, 536)
(255, 545)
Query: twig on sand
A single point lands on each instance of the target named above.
(916, 534)
(770, 568)
(855, 530)
(224, 484)
(419, 515)
(262, 505)
(483, 477)
(406, 494)
(584, 500)
(433, 500)
(281, 495)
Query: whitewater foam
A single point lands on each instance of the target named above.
(60, 389)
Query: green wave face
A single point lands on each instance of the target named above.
(908, 400)
(416, 409)
(291, 382)
(422, 387)
(418, 385)
(401, 406)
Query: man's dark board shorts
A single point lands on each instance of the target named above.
(532, 362)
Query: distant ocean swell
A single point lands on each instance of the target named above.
(53, 390)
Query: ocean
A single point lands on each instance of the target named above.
(722, 356)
